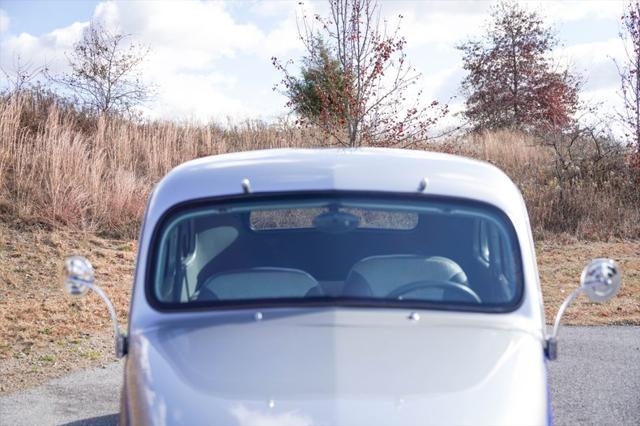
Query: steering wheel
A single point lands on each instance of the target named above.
(466, 292)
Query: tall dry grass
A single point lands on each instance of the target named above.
(592, 194)
(62, 168)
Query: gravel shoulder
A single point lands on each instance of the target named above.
(595, 381)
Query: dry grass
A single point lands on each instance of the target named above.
(43, 332)
(62, 169)
(598, 202)
(560, 264)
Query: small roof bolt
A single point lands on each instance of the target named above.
(246, 186)
(258, 316)
(414, 316)
(423, 184)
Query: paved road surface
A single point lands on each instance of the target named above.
(596, 381)
(89, 397)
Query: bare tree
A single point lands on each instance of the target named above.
(355, 79)
(104, 72)
(629, 72)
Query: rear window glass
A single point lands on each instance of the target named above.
(300, 218)
(448, 254)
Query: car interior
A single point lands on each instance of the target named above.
(338, 251)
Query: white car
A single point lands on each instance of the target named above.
(337, 287)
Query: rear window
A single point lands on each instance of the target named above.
(288, 218)
(348, 248)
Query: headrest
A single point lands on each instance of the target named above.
(260, 283)
(386, 273)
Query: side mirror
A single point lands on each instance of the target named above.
(79, 275)
(79, 278)
(600, 281)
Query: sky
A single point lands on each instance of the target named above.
(211, 60)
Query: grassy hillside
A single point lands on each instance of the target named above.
(61, 169)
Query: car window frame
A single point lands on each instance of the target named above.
(195, 306)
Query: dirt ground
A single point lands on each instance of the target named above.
(44, 333)
(560, 264)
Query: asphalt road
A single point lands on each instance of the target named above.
(595, 381)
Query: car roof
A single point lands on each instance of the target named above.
(355, 169)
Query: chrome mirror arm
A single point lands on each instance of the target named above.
(600, 281)
(77, 286)
(117, 332)
(119, 336)
(552, 341)
(569, 299)
(563, 307)
(79, 279)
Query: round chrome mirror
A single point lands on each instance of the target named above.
(78, 275)
(601, 280)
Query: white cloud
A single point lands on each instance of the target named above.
(594, 62)
(449, 22)
(438, 21)
(205, 95)
(564, 10)
(205, 26)
(269, 8)
(451, 8)
(4, 21)
(47, 49)
(285, 36)
(587, 53)
(578, 9)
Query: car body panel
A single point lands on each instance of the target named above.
(336, 365)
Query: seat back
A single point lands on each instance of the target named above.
(260, 283)
(380, 275)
